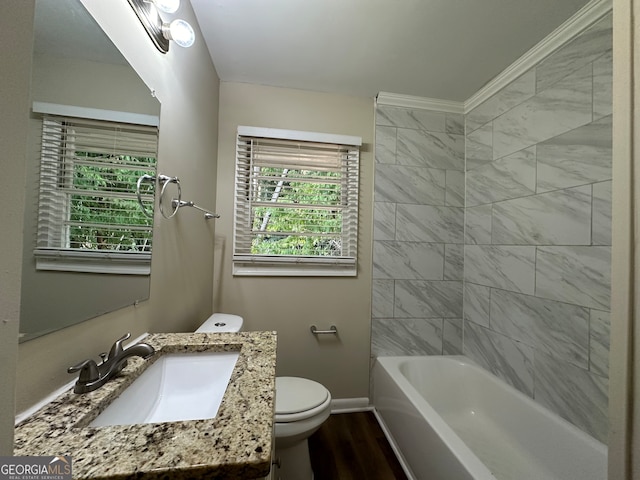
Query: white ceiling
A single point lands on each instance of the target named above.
(444, 49)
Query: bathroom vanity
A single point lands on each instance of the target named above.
(236, 444)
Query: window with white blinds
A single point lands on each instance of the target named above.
(296, 203)
(89, 218)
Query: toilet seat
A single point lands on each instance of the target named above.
(299, 398)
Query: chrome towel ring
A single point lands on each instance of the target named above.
(164, 180)
(141, 180)
(176, 203)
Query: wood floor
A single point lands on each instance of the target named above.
(352, 446)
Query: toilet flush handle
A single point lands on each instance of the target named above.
(333, 330)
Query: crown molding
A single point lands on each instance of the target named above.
(580, 21)
(409, 101)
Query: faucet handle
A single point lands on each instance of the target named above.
(116, 348)
(88, 371)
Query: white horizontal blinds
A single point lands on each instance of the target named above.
(296, 201)
(88, 176)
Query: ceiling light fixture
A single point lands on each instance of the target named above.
(159, 31)
(180, 32)
(167, 6)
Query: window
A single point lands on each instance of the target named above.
(296, 203)
(89, 219)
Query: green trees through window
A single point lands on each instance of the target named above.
(104, 213)
(297, 212)
(296, 203)
(89, 217)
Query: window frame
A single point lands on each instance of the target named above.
(56, 256)
(252, 264)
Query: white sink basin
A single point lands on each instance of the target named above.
(177, 387)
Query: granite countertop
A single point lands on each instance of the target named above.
(236, 444)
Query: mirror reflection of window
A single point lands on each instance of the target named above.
(88, 216)
(76, 66)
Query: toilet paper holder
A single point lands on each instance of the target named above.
(333, 330)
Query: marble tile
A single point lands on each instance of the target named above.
(452, 336)
(562, 217)
(602, 86)
(510, 177)
(578, 157)
(384, 221)
(507, 267)
(564, 106)
(406, 336)
(382, 298)
(408, 260)
(425, 223)
(521, 89)
(477, 304)
(509, 360)
(477, 227)
(558, 329)
(454, 188)
(417, 119)
(430, 149)
(400, 184)
(578, 275)
(428, 299)
(600, 342)
(479, 147)
(454, 261)
(573, 393)
(385, 144)
(601, 229)
(583, 50)
(454, 123)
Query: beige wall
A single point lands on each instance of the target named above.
(16, 37)
(291, 305)
(186, 84)
(83, 83)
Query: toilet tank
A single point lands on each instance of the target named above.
(221, 322)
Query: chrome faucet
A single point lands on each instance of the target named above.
(93, 375)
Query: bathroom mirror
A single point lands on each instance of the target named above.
(75, 65)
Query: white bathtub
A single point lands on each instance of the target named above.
(451, 420)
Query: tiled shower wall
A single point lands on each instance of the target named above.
(538, 231)
(536, 234)
(418, 232)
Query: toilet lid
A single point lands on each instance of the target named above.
(295, 395)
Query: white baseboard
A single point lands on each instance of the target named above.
(350, 405)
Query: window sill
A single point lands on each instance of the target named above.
(118, 263)
(257, 268)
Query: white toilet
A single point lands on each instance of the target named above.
(221, 322)
(302, 406)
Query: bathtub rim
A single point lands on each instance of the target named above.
(462, 452)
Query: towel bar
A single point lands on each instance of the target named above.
(333, 330)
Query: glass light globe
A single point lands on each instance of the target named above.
(168, 6)
(180, 32)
